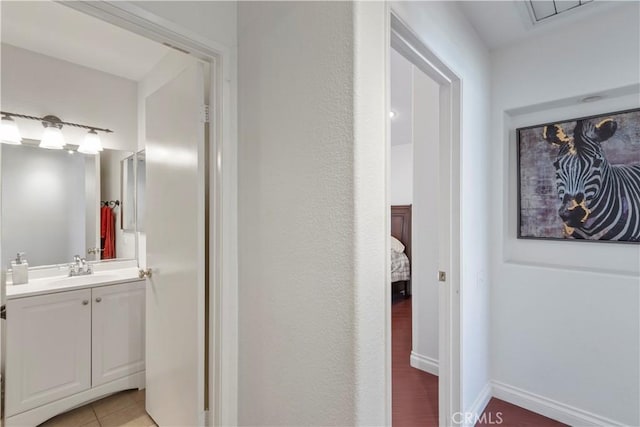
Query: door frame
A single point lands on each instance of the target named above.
(222, 327)
(408, 44)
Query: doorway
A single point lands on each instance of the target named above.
(435, 108)
(128, 17)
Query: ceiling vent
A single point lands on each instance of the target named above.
(541, 10)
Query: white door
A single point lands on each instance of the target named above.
(117, 331)
(48, 349)
(175, 231)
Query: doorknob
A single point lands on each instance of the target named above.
(144, 273)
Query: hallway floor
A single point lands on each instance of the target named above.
(415, 393)
(121, 409)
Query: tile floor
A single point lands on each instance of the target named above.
(121, 409)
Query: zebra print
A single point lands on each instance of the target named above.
(598, 200)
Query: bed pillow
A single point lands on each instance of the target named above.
(396, 245)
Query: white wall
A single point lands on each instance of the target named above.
(444, 29)
(424, 266)
(401, 133)
(565, 315)
(214, 21)
(43, 201)
(312, 262)
(39, 85)
(401, 174)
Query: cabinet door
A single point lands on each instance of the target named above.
(48, 349)
(118, 331)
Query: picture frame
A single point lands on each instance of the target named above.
(579, 179)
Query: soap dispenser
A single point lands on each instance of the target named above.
(19, 270)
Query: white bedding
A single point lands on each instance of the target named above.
(400, 268)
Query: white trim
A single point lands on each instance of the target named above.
(388, 377)
(478, 406)
(548, 407)
(42, 413)
(424, 363)
(407, 43)
(223, 296)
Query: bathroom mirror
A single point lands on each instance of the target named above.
(128, 182)
(133, 177)
(141, 179)
(58, 203)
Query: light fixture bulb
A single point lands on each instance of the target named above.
(91, 143)
(52, 138)
(9, 133)
(392, 114)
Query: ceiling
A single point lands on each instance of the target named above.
(503, 23)
(56, 30)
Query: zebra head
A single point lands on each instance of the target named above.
(578, 168)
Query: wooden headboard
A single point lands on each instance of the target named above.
(401, 226)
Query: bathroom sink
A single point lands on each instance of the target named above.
(89, 279)
(59, 282)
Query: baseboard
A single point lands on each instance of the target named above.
(424, 363)
(550, 408)
(474, 413)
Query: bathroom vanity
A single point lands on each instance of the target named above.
(75, 318)
(71, 340)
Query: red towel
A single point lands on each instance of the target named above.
(107, 232)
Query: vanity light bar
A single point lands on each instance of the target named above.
(53, 122)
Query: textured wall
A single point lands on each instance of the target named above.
(311, 166)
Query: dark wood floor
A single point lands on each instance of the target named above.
(415, 393)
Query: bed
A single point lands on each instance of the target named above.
(401, 261)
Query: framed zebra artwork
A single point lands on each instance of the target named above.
(579, 179)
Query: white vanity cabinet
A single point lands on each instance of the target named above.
(48, 349)
(68, 348)
(117, 331)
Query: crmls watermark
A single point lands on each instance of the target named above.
(470, 418)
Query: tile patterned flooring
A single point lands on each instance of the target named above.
(121, 409)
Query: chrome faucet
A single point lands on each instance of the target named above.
(79, 267)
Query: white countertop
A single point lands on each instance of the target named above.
(59, 281)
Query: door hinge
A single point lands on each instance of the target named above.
(3, 311)
(205, 114)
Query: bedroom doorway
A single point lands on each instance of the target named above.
(424, 182)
